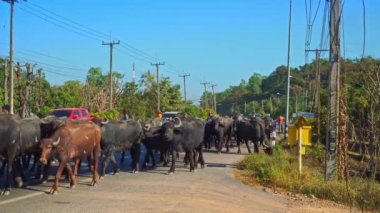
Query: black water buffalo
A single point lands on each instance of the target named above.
(250, 130)
(19, 137)
(73, 140)
(221, 128)
(153, 140)
(121, 136)
(186, 135)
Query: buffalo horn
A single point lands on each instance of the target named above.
(177, 122)
(55, 143)
(105, 122)
(146, 127)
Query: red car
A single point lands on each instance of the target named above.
(72, 113)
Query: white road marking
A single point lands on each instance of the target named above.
(37, 193)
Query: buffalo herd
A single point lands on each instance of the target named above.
(52, 138)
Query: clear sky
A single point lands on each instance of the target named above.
(219, 41)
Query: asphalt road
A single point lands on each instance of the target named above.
(212, 189)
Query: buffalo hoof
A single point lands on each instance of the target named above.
(73, 186)
(135, 171)
(202, 166)
(19, 182)
(44, 181)
(116, 173)
(7, 192)
(101, 177)
(170, 173)
(192, 170)
(93, 183)
(53, 191)
(239, 151)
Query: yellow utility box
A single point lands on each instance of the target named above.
(305, 134)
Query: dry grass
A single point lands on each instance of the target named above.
(281, 172)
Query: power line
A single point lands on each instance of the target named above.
(90, 29)
(78, 32)
(87, 32)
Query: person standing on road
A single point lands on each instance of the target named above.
(281, 123)
(5, 110)
(126, 115)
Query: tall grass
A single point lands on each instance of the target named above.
(281, 171)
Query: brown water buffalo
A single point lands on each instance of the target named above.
(73, 141)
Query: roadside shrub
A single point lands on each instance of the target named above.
(281, 171)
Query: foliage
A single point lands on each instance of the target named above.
(111, 114)
(281, 172)
(44, 111)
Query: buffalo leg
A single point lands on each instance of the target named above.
(45, 175)
(76, 166)
(201, 160)
(95, 161)
(146, 159)
(61, 166)
(153, 159)
(135, 153)
(247, 144)
(116, 169)
(256, 146)
(172, 167)
(238, 141)
(191, 159)
(71, 175)
(2, 167)
(105, 164)
(18, 173)
(122, 157)
(186, 159)
(165, 157)
(11, 162)
(195, 158)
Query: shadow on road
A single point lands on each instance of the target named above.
(221, 165)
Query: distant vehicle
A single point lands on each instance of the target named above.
(72, 113)
(170, 115)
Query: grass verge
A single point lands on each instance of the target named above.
(281, 172)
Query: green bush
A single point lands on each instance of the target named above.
(281, 171)
(109, 114)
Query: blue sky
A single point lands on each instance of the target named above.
(219, 41)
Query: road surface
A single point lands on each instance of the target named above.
(212, 189)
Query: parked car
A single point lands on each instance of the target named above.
(72, 113)
(171, 115)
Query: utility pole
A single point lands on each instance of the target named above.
(6, 80)
(133, 73)
(214, 98)
(205, 93)
(333, 101)
(317, 90)
(12, 3)
(184, 84)
(158, 84)
(288, 77)
(111, 50)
